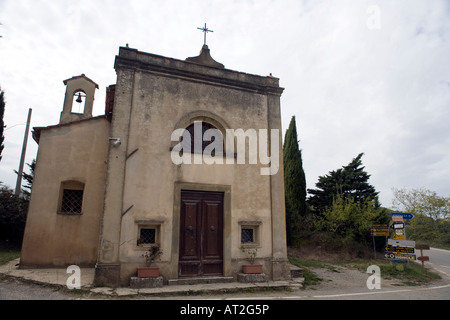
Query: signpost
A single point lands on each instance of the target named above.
(398, 247)
(378, 230)
(406, 216)
(402, 243)
(423, 258)
(398, 237)
(399, 256)
(391, 249)
(398, 225)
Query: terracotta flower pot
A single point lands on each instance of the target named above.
(148, 272)
(252, 268)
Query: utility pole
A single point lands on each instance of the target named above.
(22, 157)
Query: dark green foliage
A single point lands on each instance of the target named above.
(344, 207)
(294, 182)
(350, 181)
(13, 212)
(350, 221)
(2, 125)
(28, 177)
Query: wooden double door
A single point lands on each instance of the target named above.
(201, 234)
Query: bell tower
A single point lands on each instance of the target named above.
(79, 99)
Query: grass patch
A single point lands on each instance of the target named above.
(310, 277)
(8, 252)
(408, 274)
(302, 263)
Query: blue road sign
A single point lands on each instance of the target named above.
(406, 216)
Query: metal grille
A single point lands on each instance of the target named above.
(205, 126)
(147, 236)
(72, 201)
(247, 235)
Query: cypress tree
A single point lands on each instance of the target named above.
(294, 183)
(2, 125)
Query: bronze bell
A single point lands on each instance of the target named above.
(79, 98)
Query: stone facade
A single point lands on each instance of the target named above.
(137, 185)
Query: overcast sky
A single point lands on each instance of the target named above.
(359, 76)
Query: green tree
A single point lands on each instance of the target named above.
(2, 124)
(13, 212)
(350, 181)
(349, 220)
(421, 201)
(431, 220)
(28, 178)
(294, 183)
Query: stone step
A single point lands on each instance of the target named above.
(251, 277)
(140, 283)
(199, 280)
(297, 283)
(296, 272)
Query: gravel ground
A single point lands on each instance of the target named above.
(13, 289)
(343, 278)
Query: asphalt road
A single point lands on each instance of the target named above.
(439, 260)
(345, 285)
(351, 287)
(437, 290)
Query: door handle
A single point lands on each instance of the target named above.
(190, 228)
(212, 228)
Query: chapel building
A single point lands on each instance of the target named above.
(106, 187)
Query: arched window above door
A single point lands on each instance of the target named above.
(198, 139)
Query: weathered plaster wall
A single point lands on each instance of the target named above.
(71, 152)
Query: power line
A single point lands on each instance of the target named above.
(19, 124)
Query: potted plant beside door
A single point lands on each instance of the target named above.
(153, 252)
(252, 267)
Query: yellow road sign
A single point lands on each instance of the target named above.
(379, 232)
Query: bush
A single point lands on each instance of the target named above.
(348, 221)
(13, 214)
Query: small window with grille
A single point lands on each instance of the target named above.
(147, 236)
(72, 201)
(147, 233)
(250, 233)
(247, 235)
(71, 197)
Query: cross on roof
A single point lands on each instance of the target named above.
(205, 31)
